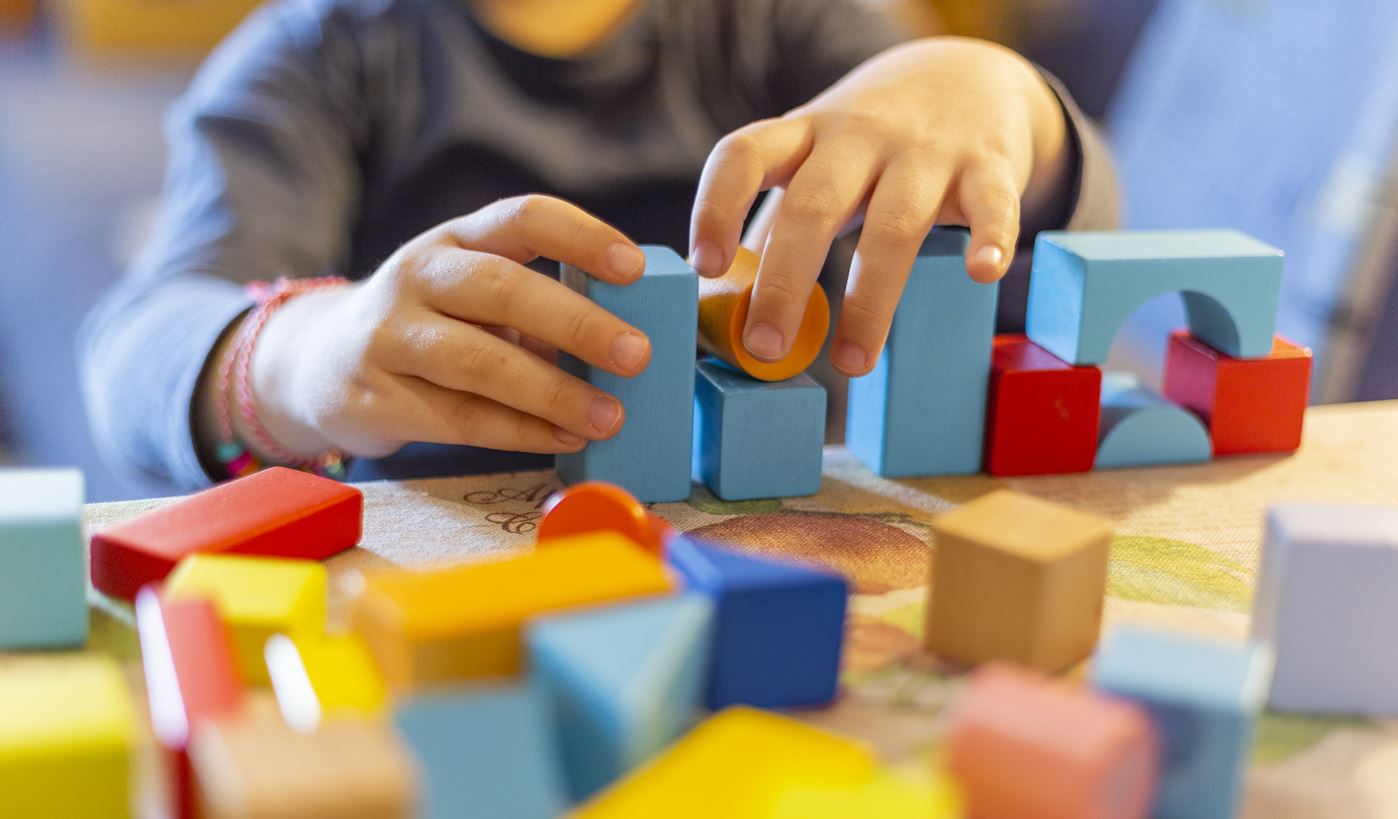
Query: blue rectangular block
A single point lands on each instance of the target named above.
(1204, 698)
(921, 411)
(649, 457)
(43, 583)
(484, 752)
(757, 439)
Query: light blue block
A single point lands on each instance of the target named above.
(43, 582)
(1085, 285)
(1141, 428)
(650, 456)
(921, 411)
(1204, 698)
(757, 439)
(484, 752)
(625, 682)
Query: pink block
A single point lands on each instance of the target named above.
(1026, 747)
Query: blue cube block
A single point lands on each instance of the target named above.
(921, 411)
(625, 681)
(484, 752)
(650, 456)
(1204, 698)
(778, 626)
(43, 582)
(757, 439)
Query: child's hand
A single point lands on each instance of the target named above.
(451, 341)
(944, 131)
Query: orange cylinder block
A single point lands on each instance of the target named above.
(723, 312)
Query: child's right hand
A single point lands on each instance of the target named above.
(453, 340)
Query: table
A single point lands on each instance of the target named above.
(1186, 548)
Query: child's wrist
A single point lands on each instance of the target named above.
(279, 366)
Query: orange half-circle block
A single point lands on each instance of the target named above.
(723, 313)
(598, 506)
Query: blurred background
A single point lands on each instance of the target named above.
(1277, 117)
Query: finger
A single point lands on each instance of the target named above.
(744, 163)
(545, 351)
(434, 414)
(509, 334)
(989, 199)
(526, 227)
(901, 211)
(825, 193)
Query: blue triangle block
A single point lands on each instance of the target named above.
(625, 681)
(779, 627)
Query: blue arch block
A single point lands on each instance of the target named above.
(1085, 285)
(1140, 428)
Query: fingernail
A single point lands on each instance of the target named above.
(629, 350)
(708, 260)
(567, 438)
(850, 358)
(604, 414)
(991, 256)
(764, 341)
(624, 260)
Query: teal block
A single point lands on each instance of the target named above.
(1204, 698)
(1085, 285)
(650, 456)
(625, 682)
(43, 582)
(484, 752)
(1141, 428)
(921, 410)
(757, 439)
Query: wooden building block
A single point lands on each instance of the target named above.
(43, 602)
(723, 313)
(68, 733)
(1203, 698)
(319, 679)
(757, 439)
(190, 678)
(885, 795)
(1032, 748)
(738, 764)
(598, 506)
(649, 457)
(1140, 428)
(256, 597)
(625, 681)
(276, 513)
(778, 627)
(1249, 405)
(484, 753)
(1043, 413)
(921, 411)
(467, 622)
(253, 766)
(1018, 579)
(1085, 285)
(1324, 587)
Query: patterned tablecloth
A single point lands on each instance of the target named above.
(1186, 549)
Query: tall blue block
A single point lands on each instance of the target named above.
(484, 752)
(650, 456)
(43, 583)
(1204, 698)
(757, 439)
(1141, 428)
(625, 681)
(921, 411)
(1085, 285)
(778, 627)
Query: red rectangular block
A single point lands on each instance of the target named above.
(1249, 404)
(1043, 413)
(275, 513)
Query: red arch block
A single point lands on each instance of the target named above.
(1043, 412)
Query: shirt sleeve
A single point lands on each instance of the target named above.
(262, 180)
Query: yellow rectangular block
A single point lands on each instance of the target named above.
(256, 597)
(318, 679)
(886, 795)
(67, 735)
(466, 622)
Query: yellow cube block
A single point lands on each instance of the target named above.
(67, 736)
(319, 678)
(466, 622)
(886, 795)
(256, 597)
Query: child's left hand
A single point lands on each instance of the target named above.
(944, 130)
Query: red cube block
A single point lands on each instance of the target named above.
(1249, 404)
(1043, 413)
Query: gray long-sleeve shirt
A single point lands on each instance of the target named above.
(323, 134)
